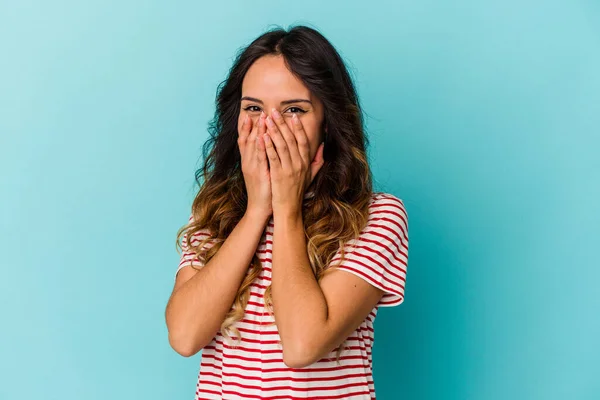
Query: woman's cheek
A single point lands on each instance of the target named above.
(311, 129)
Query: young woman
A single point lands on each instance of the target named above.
(288, 252)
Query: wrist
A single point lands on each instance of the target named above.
(257, 216)
(288, 216)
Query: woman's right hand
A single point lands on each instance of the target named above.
(255, 166)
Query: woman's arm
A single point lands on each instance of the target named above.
(313, 319)
(201, 298)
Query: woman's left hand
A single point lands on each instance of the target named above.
(290, 166)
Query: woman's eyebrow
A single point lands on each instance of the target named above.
(282, 103)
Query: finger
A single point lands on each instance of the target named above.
(288, 136)
(261, 152)
(244, 132)
(272, 155)
(251, 143)
(279, 143)
(301, 138)
(258, 125)
(262, 128)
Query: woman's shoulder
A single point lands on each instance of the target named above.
(387, 211)
(380, 252)
(384, 199)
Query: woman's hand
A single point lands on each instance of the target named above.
(255, 167)
(291, 168)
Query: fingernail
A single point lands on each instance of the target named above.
(295, 118)
(276, 113)
(262, 114)
(269, 121)
(245, 120)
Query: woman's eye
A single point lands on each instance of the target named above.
(295, 110)
(252, 108)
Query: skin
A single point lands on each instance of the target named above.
(279, 161)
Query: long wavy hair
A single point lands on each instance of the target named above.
(338, 210)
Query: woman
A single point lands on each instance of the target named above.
(288, 252)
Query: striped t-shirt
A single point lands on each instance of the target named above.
(255, 369)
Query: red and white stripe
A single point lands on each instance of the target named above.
(255, 368)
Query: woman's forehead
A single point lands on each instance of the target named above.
(270, 79)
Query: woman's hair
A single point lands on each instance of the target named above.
(337, 211)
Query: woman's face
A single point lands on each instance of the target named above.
(269, 84)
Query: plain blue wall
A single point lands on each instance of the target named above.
(484, 118)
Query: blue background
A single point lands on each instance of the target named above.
(484, 118)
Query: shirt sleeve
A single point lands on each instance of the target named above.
(380, 254)
(188, 255)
